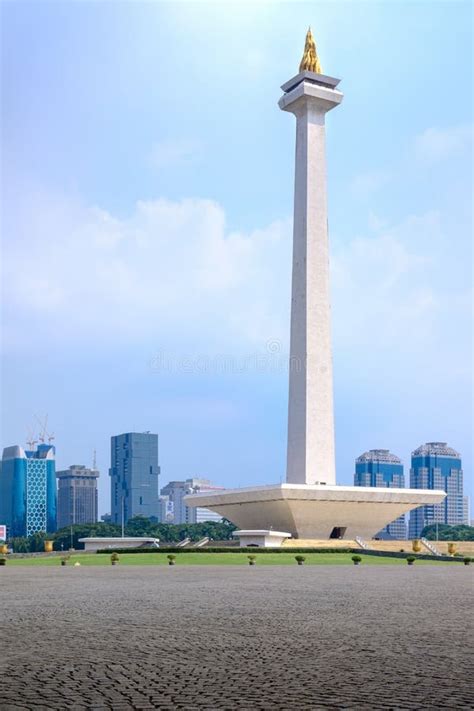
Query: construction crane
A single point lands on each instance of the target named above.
(43, 423)
(44, 434)
(30, 441)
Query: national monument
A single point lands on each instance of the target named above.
(310, 505)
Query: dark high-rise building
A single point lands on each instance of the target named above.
(77, 495)
(28, 490)
(434, 465)
(134, 476)
(378, 467)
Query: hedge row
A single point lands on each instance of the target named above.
(215, 549)
(256, 549)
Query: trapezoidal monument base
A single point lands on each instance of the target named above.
(321, 512)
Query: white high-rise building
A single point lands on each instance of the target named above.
(466, 511)
(176, 510)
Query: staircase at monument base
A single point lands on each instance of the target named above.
(182, 544)
(361, 543)
(202, 542)
(432, 548)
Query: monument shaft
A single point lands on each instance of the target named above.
(309, 505)
(310, 458)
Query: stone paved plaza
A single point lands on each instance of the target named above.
(319, 637)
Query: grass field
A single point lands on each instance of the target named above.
(186, 558)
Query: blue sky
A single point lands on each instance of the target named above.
(147, 207)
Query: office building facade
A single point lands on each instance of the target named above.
(434, 465)
(466, 511)
(381, 468)
(77, 495)
(173, 508)
(28, 490)
(134, 475)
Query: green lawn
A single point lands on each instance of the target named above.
(188, 558)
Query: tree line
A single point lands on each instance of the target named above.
(173, 533)
(443, 532)
(138, 526)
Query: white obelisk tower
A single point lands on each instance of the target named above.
(309, 505)
(311, 460)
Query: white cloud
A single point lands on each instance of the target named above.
(170, 273)
(382, 286)
(365, 184)
(397, 291)
(375, 222)
(171, 278)
(176, 153)
(436, 144)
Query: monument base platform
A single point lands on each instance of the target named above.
(261, 538)
(95, 544)
(320, 511)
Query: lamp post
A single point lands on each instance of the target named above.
(73, 522)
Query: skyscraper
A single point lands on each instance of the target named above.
(434, 465)
(378, 467)
(77, 495)
(134, 476)
(28, 490)
(466, 511)
(175, 509)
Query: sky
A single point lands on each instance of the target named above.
(147, 197)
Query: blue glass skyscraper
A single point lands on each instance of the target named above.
(28, 490)
(378, 467)
(134, 476)
(434, 465)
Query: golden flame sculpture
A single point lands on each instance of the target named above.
(310, 61)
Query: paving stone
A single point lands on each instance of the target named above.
(266, 639)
